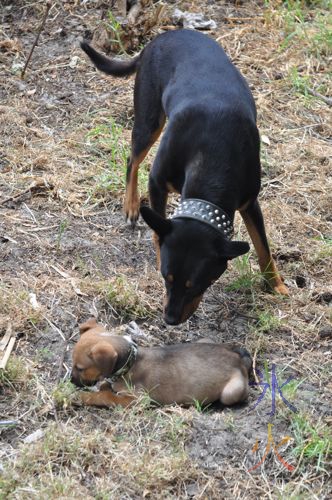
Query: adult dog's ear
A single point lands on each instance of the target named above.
(159, 225)
(104, 357)
(232, 249)
(90, 323)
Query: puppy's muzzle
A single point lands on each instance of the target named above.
(76, 380)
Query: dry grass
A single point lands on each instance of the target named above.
(64, 246)
(132, 454)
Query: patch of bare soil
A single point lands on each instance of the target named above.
(66, 254)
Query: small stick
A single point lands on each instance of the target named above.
(56, 329)
(33, 187)
(9, 349)
(327, 100)
(5, 423)
(48, 6)
(243, 18)
(5, 339)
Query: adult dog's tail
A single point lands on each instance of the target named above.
(110, 66)
(245, 356)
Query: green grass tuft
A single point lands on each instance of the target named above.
(313, 441)
(124, 298)
(267, 321)
(308, 23)
(63, 394)
(107, 145)
(16, 373)
(246, 278)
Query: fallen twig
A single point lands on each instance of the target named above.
(8, 423)
(5, 339)
(56, 328)
(71, 280)
(41, 183)
(48, 6)
(7, 344)
(327, 100)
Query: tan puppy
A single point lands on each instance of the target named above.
(184, 373)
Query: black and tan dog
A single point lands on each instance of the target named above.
(184, 373)
(209, 153)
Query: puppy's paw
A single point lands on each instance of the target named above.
(86, 398)
(76, 399)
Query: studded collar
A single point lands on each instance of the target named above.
(204, 211)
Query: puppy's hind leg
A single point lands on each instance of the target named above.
(236, 389)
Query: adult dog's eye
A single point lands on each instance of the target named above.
(170, 278)
(79, 369)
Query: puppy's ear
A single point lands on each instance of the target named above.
(232, 249)
(104, 357)
(90, 323)
(159, 225)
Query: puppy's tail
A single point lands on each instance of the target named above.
(245, 356)
(110, 66)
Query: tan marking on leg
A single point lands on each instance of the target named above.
(171, 188)
(265, 259)
(157, 248)
(244, 206)
(131, 201)
(105, 398)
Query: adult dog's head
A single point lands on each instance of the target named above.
(98, 354)
(192, 256)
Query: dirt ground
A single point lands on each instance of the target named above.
(66, 254)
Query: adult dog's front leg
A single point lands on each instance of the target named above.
(105, 398)
(158, 200)
(254, 222)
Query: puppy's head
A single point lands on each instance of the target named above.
(193, 255)
(95, 354)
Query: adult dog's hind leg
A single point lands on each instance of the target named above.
(148, 124)
(142, 140)
(253, 219)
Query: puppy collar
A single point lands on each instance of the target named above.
(128, 364)
(204, 211)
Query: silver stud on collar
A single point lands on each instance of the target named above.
(208, 213)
